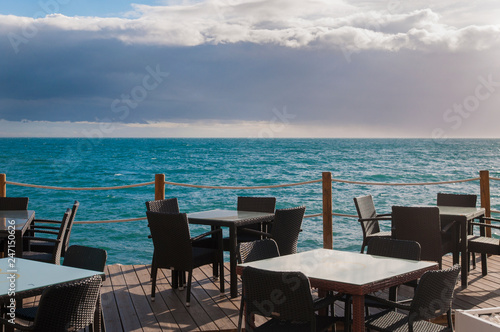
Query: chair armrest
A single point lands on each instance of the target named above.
(448, 226)
(47, 221)
(35, 227)
(16, 325)
(254, 231)
(201, 236)
(481, 224)
(41, 239)
(374, 218)
(388, 303)
(31, 231)
(385, 215)
(491, 219)
(323, 302)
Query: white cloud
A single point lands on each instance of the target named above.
(290, 23)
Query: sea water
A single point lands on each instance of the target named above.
(83, 162)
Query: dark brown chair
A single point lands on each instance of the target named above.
(257, 250)
(369, 219)
(81, 257)
(43, 246)
(169, 205)
(173, 248)
(456, 200)
(423, 225)
(461, 200)
(433, 298)
(483, 244)
(65, 307)
(254, 204)
(54, 256)
(13, 203)
(285, 229)
(264, 293)
(386, 247)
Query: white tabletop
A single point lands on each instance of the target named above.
(341, 266)
(31, 274)
(229, 215)
(20, 218)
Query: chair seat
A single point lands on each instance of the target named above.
(43, 246)
(27, 313)
(202, 256)
(39, 256)
(398, 322)
(379, 234)
(483, 244)
(323, 323)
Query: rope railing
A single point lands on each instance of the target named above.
(404, 184)
(240, 188)
(80, 188)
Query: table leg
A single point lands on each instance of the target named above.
(19, 244)
(232, 261)
(464, 253)
(358, 313)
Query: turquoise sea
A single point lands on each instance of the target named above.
(98, 162)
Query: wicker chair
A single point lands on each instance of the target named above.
(13, 203)
(169, 205)
(369, 219)
(54, 256)
(285, 229)
(386, 247)
(483, 244)
(65, 307)
(43, 246)
(462, 200)
(257, 250)
(289, 305)
(173, 248)
(433, 298)
(76, 256)
(423, 224)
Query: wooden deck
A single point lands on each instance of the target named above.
(127, 305)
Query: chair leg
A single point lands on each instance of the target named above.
(188, 291)
(175, 279)
(154, 272)
(484, 264)
(221, 276)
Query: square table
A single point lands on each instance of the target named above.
(462, 215)
(231, 219)
(32, 277)
(347, 272)
(21, 221)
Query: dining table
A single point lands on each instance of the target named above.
(232, 219)
(463, 216)
(347, 272)
(22, 278)
(16, 223)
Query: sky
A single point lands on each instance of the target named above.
(249, 68)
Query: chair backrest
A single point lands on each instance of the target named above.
(257, 250)
(256, 204)
(366, 209)
(420, 224)
(169, 205)
(286, 295)
(86, 258)
(14, 203)
(171, 240)
(456, 200)
(388, 247)
(57, 248)
(286, 229)
(67, 235)
(66, 306)
(434, 294)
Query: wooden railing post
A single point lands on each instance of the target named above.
(159, 186)
(485, 196)
(3, 185)
(327, 211)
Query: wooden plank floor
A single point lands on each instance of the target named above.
(127, 305)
